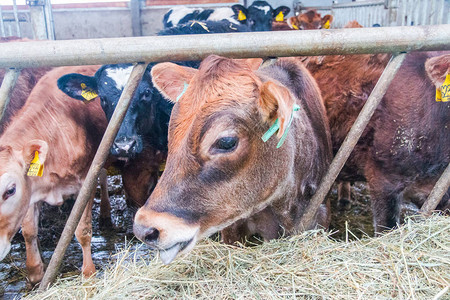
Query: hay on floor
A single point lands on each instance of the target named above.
(412, 262)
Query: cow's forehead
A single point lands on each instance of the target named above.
(265, 8)
(118, 75)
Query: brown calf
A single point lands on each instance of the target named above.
(218, 169)
(310, 20)
(406, 145)
(65, 134)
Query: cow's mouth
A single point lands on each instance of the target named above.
(168, 255)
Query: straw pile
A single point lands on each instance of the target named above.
(412, 262)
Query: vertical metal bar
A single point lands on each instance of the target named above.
(443, 10)
(90, 181)
(16, 19)
(351, 139)
(9, 81)
(49, 23)
(135, 7)
(438, 191)
(2, 25)
(37, 17)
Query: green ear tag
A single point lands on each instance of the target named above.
(274, 128)
(184, 90)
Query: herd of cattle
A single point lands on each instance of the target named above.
(213, 124)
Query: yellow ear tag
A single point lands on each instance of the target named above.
(36, 168)
(326, 25)
(438, 95)
(295, 27)
(280, 17)
(445, 89)
(87, 93)
(241, 16)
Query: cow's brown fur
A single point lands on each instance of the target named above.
(212, 191)
(66, 133)
(406, 145)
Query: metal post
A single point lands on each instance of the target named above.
(135, 7)
(50, 24)
(351, 139)
(90, 181)
(438, 191)
(16, 19)
(2, 25)
(9, 81)
(37, 16)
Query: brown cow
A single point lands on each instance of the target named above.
(65, 134)
(218, 169)
(310, 20)
(406, 145)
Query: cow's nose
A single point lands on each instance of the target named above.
(152, 235)
(125, 145)
(148, 235)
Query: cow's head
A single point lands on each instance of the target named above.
(218, 168)
(260, 15)
(310, 20)
(15, 188)
(147, 117)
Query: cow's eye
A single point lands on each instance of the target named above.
(226, 144)
(9, 192)
(147, 93)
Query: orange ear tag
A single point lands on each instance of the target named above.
(241, 16)
(280, 17)
(87, 93)
(445, 89)
(36, 168)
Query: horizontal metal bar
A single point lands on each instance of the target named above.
(352, 138)
(90, 181)
(441, 187)
(234, 45)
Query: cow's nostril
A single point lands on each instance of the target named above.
(152, 235)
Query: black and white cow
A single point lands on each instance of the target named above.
(142, 138)
(258, 16)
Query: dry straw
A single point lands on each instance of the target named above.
(412, 262)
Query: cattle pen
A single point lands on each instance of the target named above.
(141, 50)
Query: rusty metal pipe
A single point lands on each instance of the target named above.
(438, 191)
(234, 45)
(351, 139)
(8, 83)
(90, 181)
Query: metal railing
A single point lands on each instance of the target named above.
(10, 23)
(388, 12)
(236, 45)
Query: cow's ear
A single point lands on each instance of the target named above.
(171, 80)
(280, 13)
(437, 69)
(78, 86)
(240, 12)
(29, 151)
(253, 63)
(326, 21)
(276, 102)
